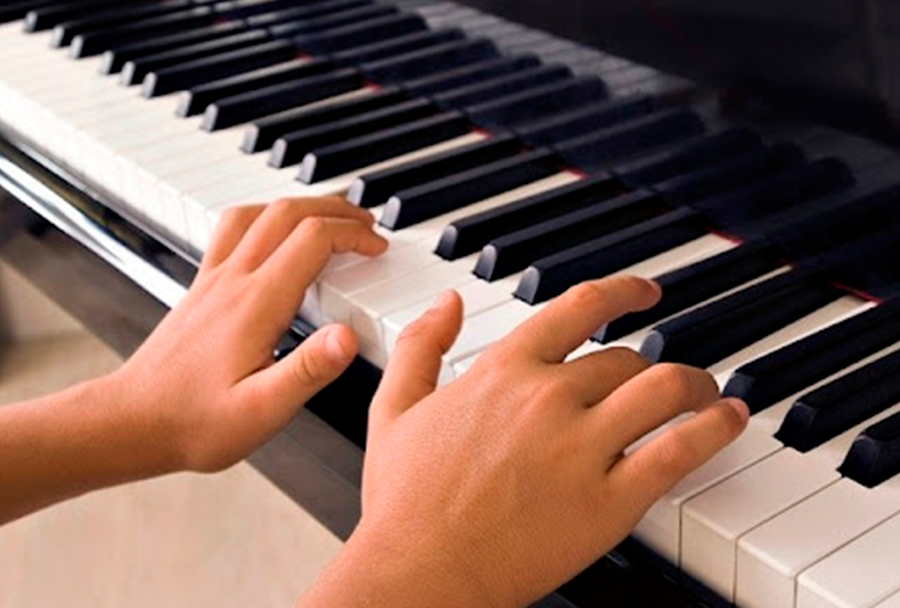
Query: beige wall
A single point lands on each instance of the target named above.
(229, 540)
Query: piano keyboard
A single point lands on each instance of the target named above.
(510, 165)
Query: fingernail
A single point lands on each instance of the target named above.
(742, 409)
(338, 346)
(656, 286)
(443, 300)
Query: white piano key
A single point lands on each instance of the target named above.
(482, 330)
(661, 528)
(711, 528)
(771, 557)
(860, 575)
(891, 602)
(477, 297)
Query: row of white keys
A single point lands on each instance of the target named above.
(365, 293)
(860, 575)
(205, 207)
(490, 316)
(661, 528)
(771, 557)
(714, 522)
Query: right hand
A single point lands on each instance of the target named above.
(506, 483)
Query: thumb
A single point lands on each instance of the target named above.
(413, 370)
(312, 366)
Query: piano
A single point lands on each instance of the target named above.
(510, 150)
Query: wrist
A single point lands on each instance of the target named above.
(141, 441)
(397, 570)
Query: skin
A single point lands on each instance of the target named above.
(491, 491)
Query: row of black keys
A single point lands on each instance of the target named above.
(452, 70)
(812, 423)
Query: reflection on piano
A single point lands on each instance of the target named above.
(510, 164)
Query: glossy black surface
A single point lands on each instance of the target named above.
(833, 59)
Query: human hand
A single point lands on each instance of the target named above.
(204, 387)
(506, 483)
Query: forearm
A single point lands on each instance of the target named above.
(396, 571)
(73, 442)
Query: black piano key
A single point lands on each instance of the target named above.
(480, 71)
(235, 110)
(376, 188)
(134, 71)
(429, 200)
(397, 46)
(429, 60)
(268, 15)
(196, 99)
(874, 456)
(840, 405)
(513, 252)
(694, 284)
(93, 43)
(291, 148)
(735, 174)
(209, 69)
(501, 86)
(257, 9)
(368, 150)
(472, 233)
(714, 331)
(551, 276)
(115, 59)
(778, 193)
(568, 124)
(687, 157)
(64, 33)
(360, 34)
(593, 151)
(262, 134)
(538, 103)
(769, 379)
(44, 18)
(18, 10)
(305, 27)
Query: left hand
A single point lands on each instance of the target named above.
(205, 385)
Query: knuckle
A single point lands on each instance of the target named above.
(628, 358)
(313, 228)
(588, 294)
(675, 380)
(282, 206)
(676, 456)
(306, 370)
(413, 333)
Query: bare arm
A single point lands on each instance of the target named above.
(203, 391)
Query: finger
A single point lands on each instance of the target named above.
(656, 467)
(229, 231)
(291, 382)
(569, 320)
(597, 375)
(282, 217)
(651, 399)
(294, 267)
(413, 370)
